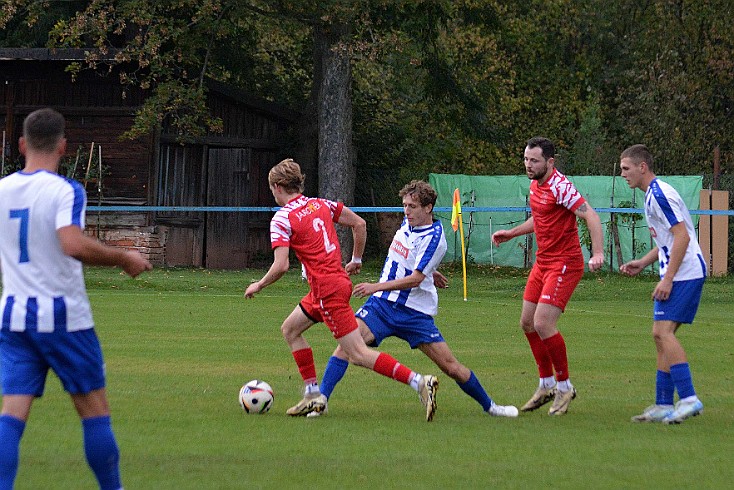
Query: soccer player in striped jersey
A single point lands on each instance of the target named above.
(559, 265)
(306, 225)
(404, 301)
(677, 295)
(46, 318)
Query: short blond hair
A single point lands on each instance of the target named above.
(287, 174)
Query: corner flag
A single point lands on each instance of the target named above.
(456, 211)
(457, 224)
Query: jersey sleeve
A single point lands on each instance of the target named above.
(72, 205)
(669, 206)
(432, 250)
(335, 208)
(280, 230)
(567, 195)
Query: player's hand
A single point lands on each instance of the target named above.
(252, 290)
(500, 236)
(439, 280)
(353, 268)
(631, 268)
(363, 289)
(596, 261)
(662, 290)
(135, 263)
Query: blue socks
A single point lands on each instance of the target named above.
(11, 430)
(678, 379)
(102, 452)
(333, 373)
(474, 389)
(100, 448)
(664, 388)
(336, 368)
(681, 375)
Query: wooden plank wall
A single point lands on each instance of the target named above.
(97, 109)
(227, 169)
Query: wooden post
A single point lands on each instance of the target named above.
(713, 231)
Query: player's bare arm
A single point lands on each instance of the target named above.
(634, 267)
(90, 251)
(501, 236)
(277, 269)
(593, 223)
(359, 232)
(365, 289)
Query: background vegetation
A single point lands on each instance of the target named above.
(433, 85)
(390, 90)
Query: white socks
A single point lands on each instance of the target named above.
(312, 389)
(564, 386)
(550, 382)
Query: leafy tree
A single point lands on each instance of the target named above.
(674, 83)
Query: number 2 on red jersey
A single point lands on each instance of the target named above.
(319, 225)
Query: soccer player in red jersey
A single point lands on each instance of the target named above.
(559, 264)
(306, 225)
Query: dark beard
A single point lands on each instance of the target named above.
(539, 176)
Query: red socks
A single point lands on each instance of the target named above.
(542, 356)
(387, 365)
(305, 363)
(556, 347)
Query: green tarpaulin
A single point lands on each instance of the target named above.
(512, 191)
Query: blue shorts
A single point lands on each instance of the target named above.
(26, 357)
(388, 319)
(682, 304)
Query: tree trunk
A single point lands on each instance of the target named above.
(336, 154)
(307, 153)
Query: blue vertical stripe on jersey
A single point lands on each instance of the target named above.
(31, 314)
(59, 314)
(76, 212)
(393, 271)
(404, 293)
(431, 250)
(663, 203)
(392, 274)
(7, 312)
(703, 264)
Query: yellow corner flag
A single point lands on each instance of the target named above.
(457, 224)
(456, 211)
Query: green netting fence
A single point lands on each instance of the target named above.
(501, 202)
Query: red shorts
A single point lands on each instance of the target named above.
(333, 309)
(553, 283)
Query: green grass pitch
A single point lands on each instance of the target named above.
(180, 343)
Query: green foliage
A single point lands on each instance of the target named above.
(590, 153)
(675, 88)
(442, 86)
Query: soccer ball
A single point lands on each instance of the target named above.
(256, 397)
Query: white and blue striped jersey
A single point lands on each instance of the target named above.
(664, 208)
(43, 288)
(415, 248)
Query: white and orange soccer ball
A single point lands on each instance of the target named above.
(256, 396)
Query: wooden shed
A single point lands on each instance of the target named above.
(223, 170)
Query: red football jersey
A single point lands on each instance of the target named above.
(306, 225)
(553, 205)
